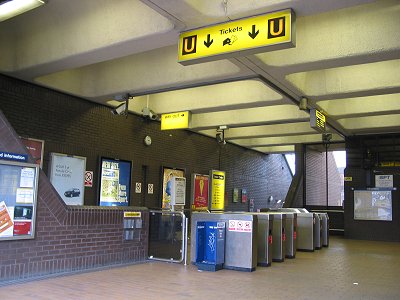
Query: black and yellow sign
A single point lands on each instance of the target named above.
(317, 120)
(132, 214)
(262, 33)
(178, 120)
(217, 190)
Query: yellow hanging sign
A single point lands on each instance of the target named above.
(262, 33)
(178, 120)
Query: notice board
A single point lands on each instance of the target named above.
(373, 205)
(18, 194)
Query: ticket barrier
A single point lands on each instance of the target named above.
(240, 239)
(265, 239)
(317, 232)
(278, 236)
(325, 229)
(291, 235)
(305, 231)
(210, 245)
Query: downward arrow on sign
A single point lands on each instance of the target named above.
(208, 42)
(253, 32)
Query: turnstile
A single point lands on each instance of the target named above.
(264, 245)
(278, 237)
(240, 239)
(291, 235)
(317, 232)
(305, 231)
(325, 229)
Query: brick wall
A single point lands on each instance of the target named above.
(66, 238)
(75, 126)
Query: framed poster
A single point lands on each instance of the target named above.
(67, 174)
(244, 195)
(200, 185)
(167, 174)
(235, 195)
(115, 182)
(217, 190)
(35, 148)
(373, 205)
(18, 197)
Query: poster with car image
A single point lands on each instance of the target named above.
(115, 182)
(67, 174)
(18, 193)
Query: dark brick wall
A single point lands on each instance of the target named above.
(75, 126)
(364, 157)
(66, 239)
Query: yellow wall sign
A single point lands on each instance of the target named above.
(217, 190)
(348, 178)
(271, 31)
(132, 214)
(178, 120)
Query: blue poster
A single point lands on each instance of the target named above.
(115, 182)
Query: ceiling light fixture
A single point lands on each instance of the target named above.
(12, 8)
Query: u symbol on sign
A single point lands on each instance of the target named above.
(189, 44)
(276, 27)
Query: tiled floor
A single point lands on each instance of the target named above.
(348, 269)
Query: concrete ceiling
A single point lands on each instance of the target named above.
(346, 62)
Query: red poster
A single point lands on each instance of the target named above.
(35, 149)
(21, 228)
(200, 197)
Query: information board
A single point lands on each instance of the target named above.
(217, 190)
(67, 174)
(373, 205)
(18, 194)
(115, 182)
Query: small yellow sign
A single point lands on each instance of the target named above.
(271, 31)
(132, 214)
(348, 178)
(317, 120)
(178, 120)
(217, 190)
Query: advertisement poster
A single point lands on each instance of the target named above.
(217, 190)
(235, 195)
(18, 193)
(167, 175)
(115, 182)
(35, 149)
(67, 176)
(178, 193)
(244, 195)
(200, 192)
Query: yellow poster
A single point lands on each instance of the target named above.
(217, 190)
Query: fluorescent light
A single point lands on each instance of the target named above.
(13, 8)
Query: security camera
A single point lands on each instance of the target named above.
(120, 109)
(149, 114)
(326, 137)
(220, 138)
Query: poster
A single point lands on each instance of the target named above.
(235, 195)
(18, 193)
(35, 148)
(244, 195)
(167, 175)
(384, 181)
(178, 192)
(67, 176)
(115, 182)
(200, 192)
(217, 190)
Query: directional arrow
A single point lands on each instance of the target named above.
(253, 32)
(208, 42)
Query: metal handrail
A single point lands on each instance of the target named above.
(184, 238)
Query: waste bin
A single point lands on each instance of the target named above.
(210, 246)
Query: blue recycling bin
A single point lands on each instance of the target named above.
(210, 246)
